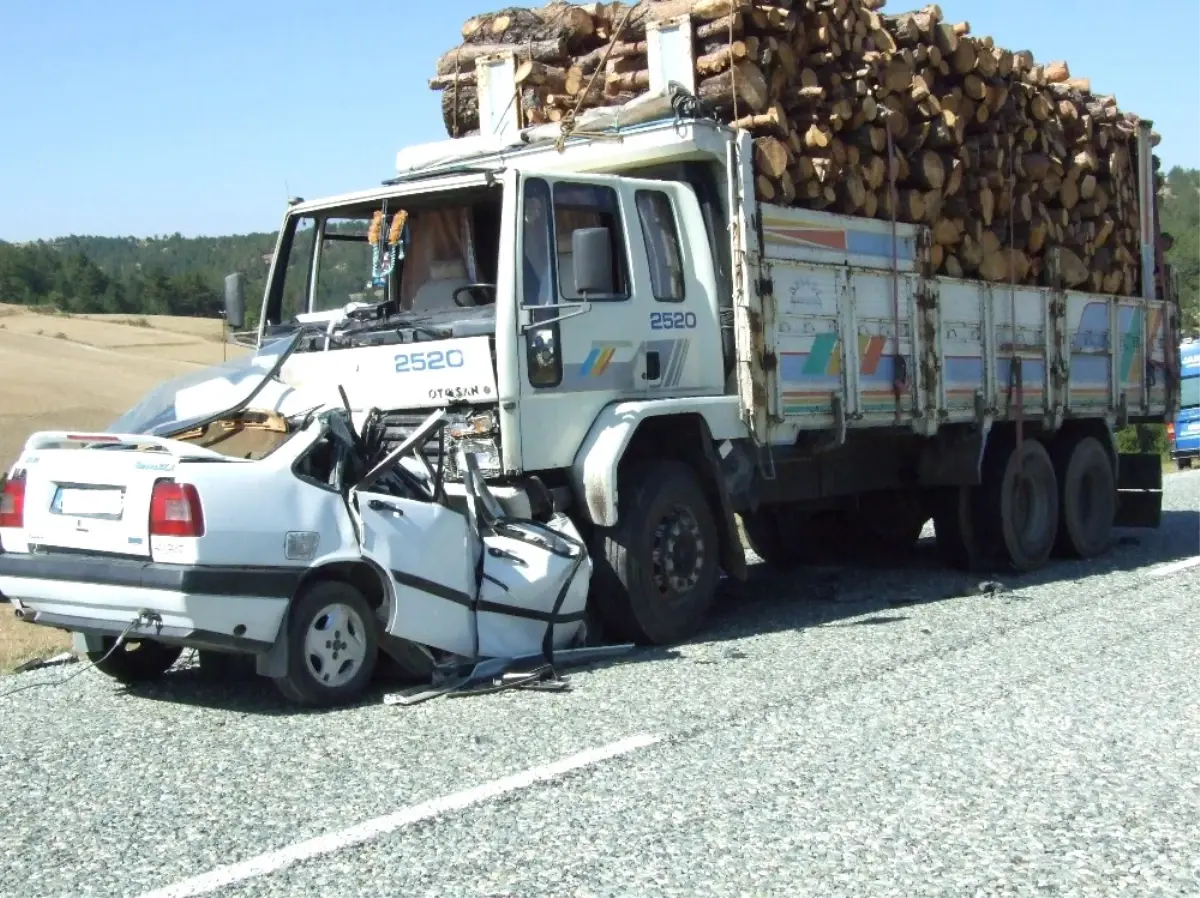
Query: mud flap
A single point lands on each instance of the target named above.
(1139, 490)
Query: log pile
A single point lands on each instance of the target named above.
(1018, 169)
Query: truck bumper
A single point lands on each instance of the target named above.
(234, 609)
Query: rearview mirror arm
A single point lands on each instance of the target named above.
(579, 308)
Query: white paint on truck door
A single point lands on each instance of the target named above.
(656, 333)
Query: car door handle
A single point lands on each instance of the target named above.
(653, 366)
(380, 505)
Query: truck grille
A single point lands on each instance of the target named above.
(398, 425)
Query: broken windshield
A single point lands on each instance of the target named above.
(192, 397)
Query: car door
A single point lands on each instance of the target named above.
(428, 551)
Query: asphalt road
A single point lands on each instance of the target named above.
(879, 732)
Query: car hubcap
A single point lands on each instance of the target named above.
(678, 556)
(335, 645)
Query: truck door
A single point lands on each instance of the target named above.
(617, 299)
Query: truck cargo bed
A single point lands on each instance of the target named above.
(834, 297)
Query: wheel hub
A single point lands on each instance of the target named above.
(679, 550)
(334, 647)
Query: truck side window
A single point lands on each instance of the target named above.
(588, 206)
(543, 355)
(662, 245)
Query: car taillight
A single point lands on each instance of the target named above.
(175, 510)
(12, 504)
(1171, 431)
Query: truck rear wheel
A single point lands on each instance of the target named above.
(333, 646)
(954, 526)
(1019, 510)
(1087, 498)
(656, 571)
(135, 660)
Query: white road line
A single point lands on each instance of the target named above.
(1174, 567)
(274, 861)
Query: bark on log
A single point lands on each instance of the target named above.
(1013, 164)
(463, 58)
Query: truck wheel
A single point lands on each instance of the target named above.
(135, 660)
(656, 571)
(333, 646)
(1087, 498)
(954, 527)
(1183, 464)
(762, 529)
(1019, 510)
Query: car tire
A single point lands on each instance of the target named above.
(134, 660)
(333, 646)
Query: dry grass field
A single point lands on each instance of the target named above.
(61, 371)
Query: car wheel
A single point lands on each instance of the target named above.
(333, 646)
(134, 660)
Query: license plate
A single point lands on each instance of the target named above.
(102, 503)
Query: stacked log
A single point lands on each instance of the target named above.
(1021, 173)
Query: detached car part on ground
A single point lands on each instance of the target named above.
(309, 547)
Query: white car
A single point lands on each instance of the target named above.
(278, 527)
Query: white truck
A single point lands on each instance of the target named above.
(623, 340)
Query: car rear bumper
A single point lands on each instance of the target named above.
(204, 607)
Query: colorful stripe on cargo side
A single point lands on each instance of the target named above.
(804, 233)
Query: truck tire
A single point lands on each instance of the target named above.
(766, 539)
(1018, 514)
(135, 660)
(656, 571)
(954, 527)
(1183, 464)
(1087, 497)
(333, 646)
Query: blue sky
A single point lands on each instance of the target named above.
(130, 117)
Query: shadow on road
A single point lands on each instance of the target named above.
(856, 589)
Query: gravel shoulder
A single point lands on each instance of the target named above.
(840, 732)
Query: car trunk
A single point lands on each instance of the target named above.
(93, 500)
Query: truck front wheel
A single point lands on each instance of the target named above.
(656, 571)
(333, 646)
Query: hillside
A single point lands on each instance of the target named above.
(174, 275)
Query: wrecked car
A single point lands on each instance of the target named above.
(233, 513)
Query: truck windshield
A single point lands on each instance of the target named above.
(414, 254)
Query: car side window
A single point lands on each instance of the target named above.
(661, 236)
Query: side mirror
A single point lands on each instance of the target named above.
(235, 301)
(591, 251)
